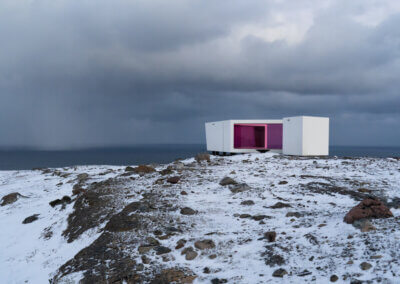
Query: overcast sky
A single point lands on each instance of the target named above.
(80, 73)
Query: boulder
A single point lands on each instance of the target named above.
(241, 187)
(174, 179)
(279, 273)
(368, 208)
(270, 236)
(187, 211)
(30, 219)
(247, 202)
(10, 198)
(227, 181)
(204, 244)
(143, 169)
(202, 157)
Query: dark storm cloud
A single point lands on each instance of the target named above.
(83, 73)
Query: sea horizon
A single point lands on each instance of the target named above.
(23, 158)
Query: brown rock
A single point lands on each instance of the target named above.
(202, 157)
(77, 189)
(10, 198)
(187, 211)
(368, 208)
(270, 236)
(162, 250)
(334, 278)
(364, 190)
(174, 179)
(174, 275)
(180, 244)
(283, 182)
(279, 205)
(241, 187)
(279, 273)
(227, 181)
(365, 265)
(247, 202)
(189, 253)
(30, 219)
(143, 169)
(204, 244)
(183, 192)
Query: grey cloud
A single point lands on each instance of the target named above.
(83, 73)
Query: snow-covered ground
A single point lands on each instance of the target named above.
(312, 241)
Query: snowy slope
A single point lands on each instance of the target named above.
(311, 245)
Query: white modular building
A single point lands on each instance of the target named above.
(299, 135)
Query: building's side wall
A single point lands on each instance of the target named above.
(315, 136)
(215, 136)
(292, 136)
(228, 136)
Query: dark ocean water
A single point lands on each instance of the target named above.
(28, 159)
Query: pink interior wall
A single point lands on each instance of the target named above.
(257, 136)
(274, 136)
(249, 136)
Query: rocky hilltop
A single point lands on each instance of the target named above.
(240, 219)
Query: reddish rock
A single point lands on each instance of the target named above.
(142, 169)
(174, 179)
(368, 208)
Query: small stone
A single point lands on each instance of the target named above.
(283, 182)
(260, 217)
(218, 281)
(145, 259)
(304, 273)
(350, 262)
(190, 255)
(152, 241)
(376, 256)
(174, 179)
(244, 216)
(247, 202)
(187, 211)
(364, 190)
(334, 278)
(212, 256)
(227, 181)
(294, 214)
(162, 250)
(77, 189)
(364, 225)
(180, 244)
(321, 225)
(206, 270)
(129, 169)
(279, 205)
(239, 188)
(183, 192)
(365, 265)
(202, 157)
(55, 202)
(166, 171)
(144, 249)
(30, 219)
(279, 273)
(204, 244)
(270, 236)
(66, 199)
